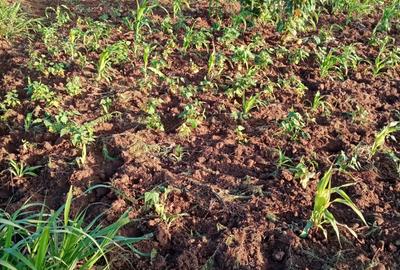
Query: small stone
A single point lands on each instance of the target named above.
(392, 248)
(287, 175)
(278, 255)
(379, 266)
(201, 159)
(250, 162)
(379, 220)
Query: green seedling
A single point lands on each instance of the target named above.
(106, 154)
(74, 86)
(386, 58)
(241, 136)
(147, 50)
(42, 93)
(156, 199)
(20, 170)
(390, 14)
(382, 135)
(293, 125)
(302, 173)
(242, 55)
(193, 116)
(10, 101)
(188, 38)
(322, 202)
(248, 104)
(283, 160)
(153, 119)
(177, 6)
(116, 54)
(14, 22)
(29, 122)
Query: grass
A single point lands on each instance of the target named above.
(34, 238)
(14, 22)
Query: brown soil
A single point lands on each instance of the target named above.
(239, 211)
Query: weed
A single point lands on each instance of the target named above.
(263, 59)
(359, 115)
(302, 173)
(299, 55)
(293, 125)
(10, 101)
(153, 119)
(241, 137)
(193, 116)
(13, 21)
(32, 239)
(242, 83)
(345, 163)
(74, 86)
(242, 55)
(391, 12)
(156, 199)
(321, 214)
(42, 93)
(20, 170)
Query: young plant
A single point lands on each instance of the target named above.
(153, 119)
(42, 93)
(74, 86)
(177, 7)
(248, 104)
(13, 21)
(321, 215)
(193, 116)
(156, 199)
(143, 8)
(386, 58)
(302, 173)
(293, 125)
(283, 160)
(116, 54)
(41, 239)
(382, 135)
(188, 38)
(390, 14)
(20, 170)
(147, 50)
(242, 55)
(241, 136)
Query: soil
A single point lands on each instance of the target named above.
(235, 209)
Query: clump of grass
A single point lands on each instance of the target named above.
(13, 21)
(31, 239)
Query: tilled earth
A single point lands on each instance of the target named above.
(234, 208)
